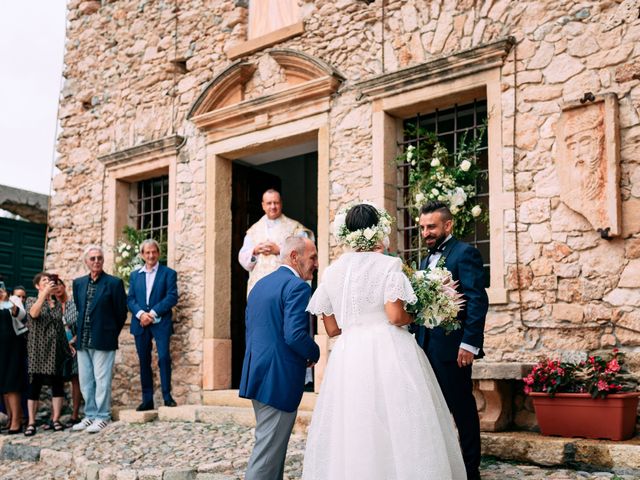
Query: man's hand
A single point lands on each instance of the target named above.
(310, 364)
(146, 319)
(266, 248)
(465, 358)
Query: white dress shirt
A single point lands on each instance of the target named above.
(149, 279)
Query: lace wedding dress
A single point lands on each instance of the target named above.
(380, 413)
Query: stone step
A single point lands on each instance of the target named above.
(218, 414)
(230, 398)
(558, 451)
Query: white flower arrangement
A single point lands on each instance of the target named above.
(435, 175)
(364, 238)
(438, 299)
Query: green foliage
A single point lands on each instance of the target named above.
(127, 258)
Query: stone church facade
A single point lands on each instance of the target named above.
(179, 98)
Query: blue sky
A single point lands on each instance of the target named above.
(31, 53)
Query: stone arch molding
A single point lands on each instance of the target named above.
(304, 88)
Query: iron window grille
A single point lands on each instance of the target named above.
(152, 217)
(451, 127)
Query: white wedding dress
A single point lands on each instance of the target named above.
(380, 413)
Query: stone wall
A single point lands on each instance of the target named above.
(134, 69)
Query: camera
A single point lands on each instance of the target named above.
(55, 278)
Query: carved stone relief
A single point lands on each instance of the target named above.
(587, 162)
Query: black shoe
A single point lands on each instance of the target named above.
(145, 406)
(170, 403)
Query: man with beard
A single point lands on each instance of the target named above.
(451, 355)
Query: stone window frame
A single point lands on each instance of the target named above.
(123, 170)
(444, 81)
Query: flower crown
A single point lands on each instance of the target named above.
(363, 238)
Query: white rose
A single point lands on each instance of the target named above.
(419, 274)
(454, 210)
(465, 165)
(476, 211)
(413, 163)
(419, 197)
(435, 191)
(457, 197)
(369, 233)
(125, 254)
(410, 150)
(435, 162)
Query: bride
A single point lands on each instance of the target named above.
(380, 413)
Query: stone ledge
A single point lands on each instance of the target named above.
(500, 370)
(621, 457)
(133, 416)
(230, 398)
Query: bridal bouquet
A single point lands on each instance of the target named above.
(438, 300)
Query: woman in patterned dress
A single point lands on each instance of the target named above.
(70, 373)
(47, 349)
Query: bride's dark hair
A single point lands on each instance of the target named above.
(361, 216)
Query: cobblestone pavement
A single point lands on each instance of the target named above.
(176, 451)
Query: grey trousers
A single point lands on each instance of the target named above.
(273, 429)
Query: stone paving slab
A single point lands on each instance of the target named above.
(191, 451)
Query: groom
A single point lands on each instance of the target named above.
(279, 349)
(452, 355)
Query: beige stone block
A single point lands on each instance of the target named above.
(181, 413)
(224, 398)
(218, 415)
(582, 46)
(605, 259)
(536, 210)
(132, 416)
(571, 340)
(625, 455)
(542, 57)
(630, 217)
(150, 474)
(630, 277)
(627, 338)
(216, 366)
(566, 270)
(584, 241)
(562, 68)
(542, 266)
(623, 297)
(56, 457)
(540, 232)
(607, 58)
(126, 474)
(568, 312)
(564, 219)
(443, 30)
(537, 93)
(573, 89)
(497, 320)
(521, 446)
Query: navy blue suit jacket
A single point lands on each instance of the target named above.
(108, 310)
(465, 264)
(164, 296)
(278, 341)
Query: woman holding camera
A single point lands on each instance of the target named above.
(47, 348)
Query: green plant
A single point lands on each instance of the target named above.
(597, 376)
(436, 174)
(127, 258)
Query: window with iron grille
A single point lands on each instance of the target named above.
(451, 126)
(152, 215)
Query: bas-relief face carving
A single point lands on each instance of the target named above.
(586, 151)
(581, 162)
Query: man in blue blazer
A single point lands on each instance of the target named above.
(153, 292)
(279, 349)
(102, 310)
(451, 355)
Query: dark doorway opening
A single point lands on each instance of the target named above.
(297, 180)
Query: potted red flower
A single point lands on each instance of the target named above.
(594, 398)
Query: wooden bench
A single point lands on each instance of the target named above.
(494, 387)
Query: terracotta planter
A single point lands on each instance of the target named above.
(579, 415)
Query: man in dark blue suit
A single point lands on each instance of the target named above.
(279, 349)
(153, 292)
(102, 310)
(452, 355)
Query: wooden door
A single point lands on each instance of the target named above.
(248, 185)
